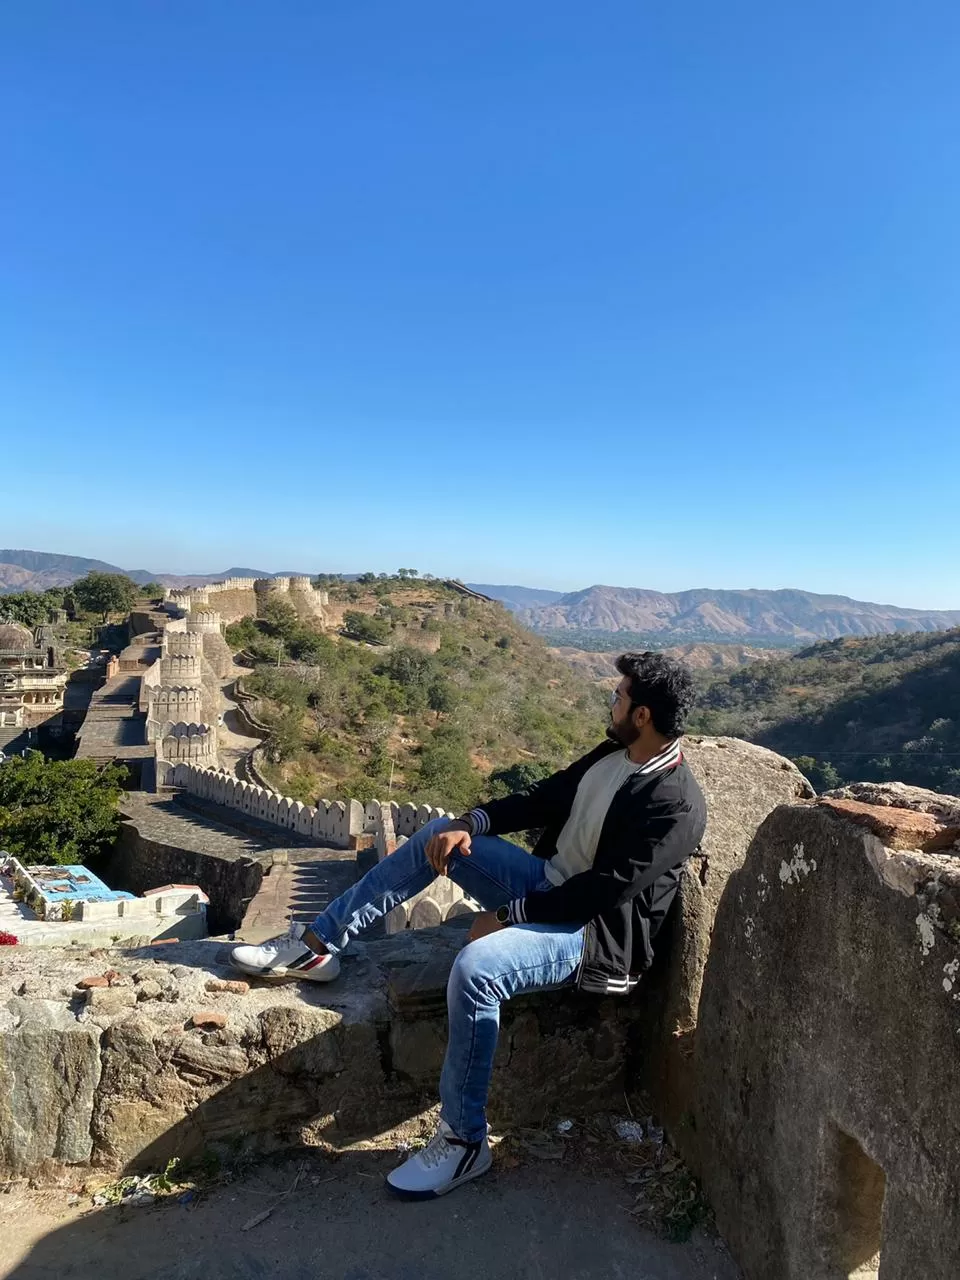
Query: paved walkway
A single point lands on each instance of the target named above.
(161, 818)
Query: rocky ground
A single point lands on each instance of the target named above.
(309, 1216)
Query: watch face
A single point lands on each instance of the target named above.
(503, 914)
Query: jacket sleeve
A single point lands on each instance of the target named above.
(670, 833)
(535, 807)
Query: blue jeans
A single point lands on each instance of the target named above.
(503, 964)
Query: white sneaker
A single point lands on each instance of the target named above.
(287, 956)
(443, 1164)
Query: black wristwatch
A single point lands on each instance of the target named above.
(503, 915)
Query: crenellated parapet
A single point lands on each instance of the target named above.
(181, 644)
(181, 670)
(194, 744)
(175, 705)
(232, 584)
(205, 621)
(235, 598)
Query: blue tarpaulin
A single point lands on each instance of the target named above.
(73, 884)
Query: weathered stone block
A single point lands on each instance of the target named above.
(826, 1054)
(49, 1071)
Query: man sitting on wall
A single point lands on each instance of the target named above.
(581, 910)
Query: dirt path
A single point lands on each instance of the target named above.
(232, 741)
(339, 1223)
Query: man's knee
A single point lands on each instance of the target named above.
(432, 827)
(471, 975)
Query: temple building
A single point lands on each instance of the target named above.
(32, 676)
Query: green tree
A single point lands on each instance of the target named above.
(286, 738)
(242, 634)
(29, 608)
(441, 697)
(362, 626)
(58, 811)
(446, 775)
(408, 666)
(518, 777)
(821, 773)
(153, 590)
(279, 618)
(105, 593)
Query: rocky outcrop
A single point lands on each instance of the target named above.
(743, 783)
(826, 1053)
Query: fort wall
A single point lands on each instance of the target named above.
(236, 598)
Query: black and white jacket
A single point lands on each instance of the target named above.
(654, 822)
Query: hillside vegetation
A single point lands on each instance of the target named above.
(879, 709)
(598, 665)
(422, 693)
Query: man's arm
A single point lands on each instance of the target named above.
(536, 806)
(671, 832)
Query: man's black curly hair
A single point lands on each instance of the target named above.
(664, 685)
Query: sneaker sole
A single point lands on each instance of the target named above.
(284, 972)
(401, 1194)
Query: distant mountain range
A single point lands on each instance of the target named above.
(754, 617)
(585, 619)
(517, 597)
(38, 570)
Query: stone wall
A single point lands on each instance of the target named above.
(827, 1043)
(327, 822)
(343, 824)
(119, 1077)
(236, 598)
(339, 823)
(181, 670)
(233, 599)
(182, 644)
(180, 692)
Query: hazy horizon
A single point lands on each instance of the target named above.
(489, 581)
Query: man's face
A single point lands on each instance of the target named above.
(623, 727)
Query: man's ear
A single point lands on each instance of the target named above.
(641, 716)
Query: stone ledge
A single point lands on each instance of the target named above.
(128, 1082)
(897, 828)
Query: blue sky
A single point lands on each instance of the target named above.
(658, 295)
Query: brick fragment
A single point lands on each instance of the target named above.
(234, 986)
(208, 1018)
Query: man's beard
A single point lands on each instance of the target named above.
(625, 734)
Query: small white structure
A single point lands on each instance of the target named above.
(58, 906)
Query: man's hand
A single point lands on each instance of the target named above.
(440, 847)
(484, 922)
